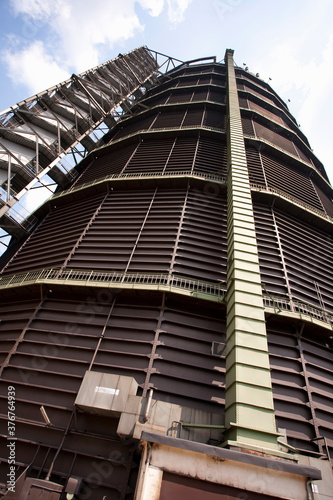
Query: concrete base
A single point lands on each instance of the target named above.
(257, 477)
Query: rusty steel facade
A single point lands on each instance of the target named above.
(126, 273)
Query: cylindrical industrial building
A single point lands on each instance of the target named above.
(187, 271)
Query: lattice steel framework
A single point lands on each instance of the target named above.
(68, 118)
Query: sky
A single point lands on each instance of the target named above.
(44, 41)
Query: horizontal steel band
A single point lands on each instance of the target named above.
(195, 175)
(143, 175)
(159, 281)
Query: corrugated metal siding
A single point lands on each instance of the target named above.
(270, 260)
(256, 173)
(54, 239)
(302, 371)
(308, 253)
(108, 164)
(265, 112)
(290, 180)
(325, 200)
(202, 245)
(58, 347)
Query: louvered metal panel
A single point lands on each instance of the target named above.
(270, 258)
(155, 241)
(256, 173)
(263, 111)
(211, 156)
(139, 123)
(183, 155)
(158, 100)
(108, 164)
(303, 153)
(288, 179)
(218, 80)
(215, 118)
(64, 334)
(308, 253)
(188, 81)
(274, 137)
(301, 375)
(326, 201)
(243, 102)
(200, 95)
(193, 117)
(204, 226)
(151, 156)
(216, 95)
(178, 96)
(55, 237)
(168, 118)
(109, 242)
(255, 91)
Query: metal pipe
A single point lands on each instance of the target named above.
(144, 465)
(202, 426)
(147, 411)
(60, 446)
(9, 176)
(286, 445)
(326, 445)
(309, 489)
(37, 155)
(59, 140)
(46, 418)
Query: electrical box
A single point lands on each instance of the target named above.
(104, 393)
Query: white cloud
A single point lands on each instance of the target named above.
(301, 71)
(89, 27)
(38, 9)
(80, 33)
(176, 10)
(34, 67)
(154, 6)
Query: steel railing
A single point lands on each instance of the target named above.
(109, 278)
(142, 175)
(280, 304)
(291, 198)
(155, 280)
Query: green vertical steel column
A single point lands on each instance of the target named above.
(249, 414)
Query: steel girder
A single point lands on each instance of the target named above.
(67, 119)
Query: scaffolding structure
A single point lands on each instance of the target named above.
(50, 132)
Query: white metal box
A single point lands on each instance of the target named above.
(104, 393)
